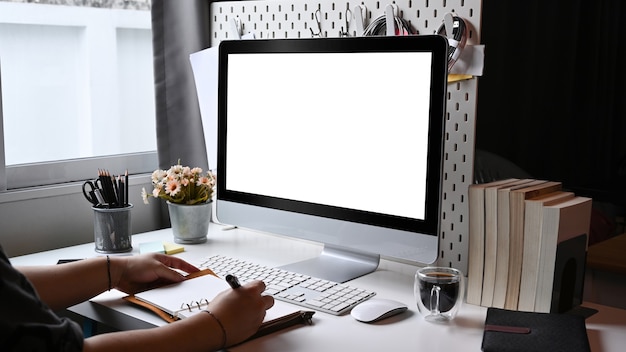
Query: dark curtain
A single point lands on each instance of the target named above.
(552, 96)
(179, 28)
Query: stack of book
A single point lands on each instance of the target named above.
(527, 245)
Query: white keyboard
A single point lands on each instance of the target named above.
(313, 293)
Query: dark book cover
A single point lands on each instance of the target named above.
(512, 331)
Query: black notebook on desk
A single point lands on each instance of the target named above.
(513, 331)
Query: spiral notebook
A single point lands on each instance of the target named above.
(189, 297)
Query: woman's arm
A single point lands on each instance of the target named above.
(61, 286)
(235, 315)
(197, 333)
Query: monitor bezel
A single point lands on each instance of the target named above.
(434, 44)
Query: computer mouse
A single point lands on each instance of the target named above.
(375, 309)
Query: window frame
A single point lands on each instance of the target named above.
(74, 170)
(50, 174)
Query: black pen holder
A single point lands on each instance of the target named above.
(112, 229)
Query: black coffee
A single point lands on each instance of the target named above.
(449, 286)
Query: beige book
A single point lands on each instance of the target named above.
(533, 219)
(476, 259)
(561, 222)
(516, 235)
(491, 241)
(503, 244)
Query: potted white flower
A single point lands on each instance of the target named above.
(189, 193)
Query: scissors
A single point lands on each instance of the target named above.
(92, 193)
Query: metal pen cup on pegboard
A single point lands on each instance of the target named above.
(112, 229)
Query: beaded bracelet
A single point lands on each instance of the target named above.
(221, 327)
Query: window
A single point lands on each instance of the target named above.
(77, 89)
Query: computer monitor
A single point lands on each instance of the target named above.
(337, 141)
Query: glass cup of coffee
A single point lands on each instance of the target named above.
(439, 292)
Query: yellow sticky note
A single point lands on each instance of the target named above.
(458, 77)
(172, 248)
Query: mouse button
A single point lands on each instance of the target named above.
(393, 312)
(365, 313)
(376, 309)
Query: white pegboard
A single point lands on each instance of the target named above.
(299, 19)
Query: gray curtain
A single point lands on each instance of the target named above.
(179, 27)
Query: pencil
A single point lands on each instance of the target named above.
(116, 192)
(126, 187)
(107, 187)
(120, 191)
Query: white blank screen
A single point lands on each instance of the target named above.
(339, 129)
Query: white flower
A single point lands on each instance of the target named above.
(172, 188)
(144, 195)
(181, 185)
(158, 176)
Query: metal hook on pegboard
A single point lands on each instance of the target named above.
(236, 27)
(345, 31)
(318, 21)
(360, 14)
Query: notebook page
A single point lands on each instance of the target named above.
(278, 310)
(185, 296)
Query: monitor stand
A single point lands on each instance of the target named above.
(336, 264)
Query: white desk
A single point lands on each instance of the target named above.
(406, 332)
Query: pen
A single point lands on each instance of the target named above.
(63, 261)
(233, 281)
(125, 179)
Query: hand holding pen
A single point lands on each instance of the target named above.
(233, 281)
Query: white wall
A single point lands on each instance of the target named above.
(47, 218)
